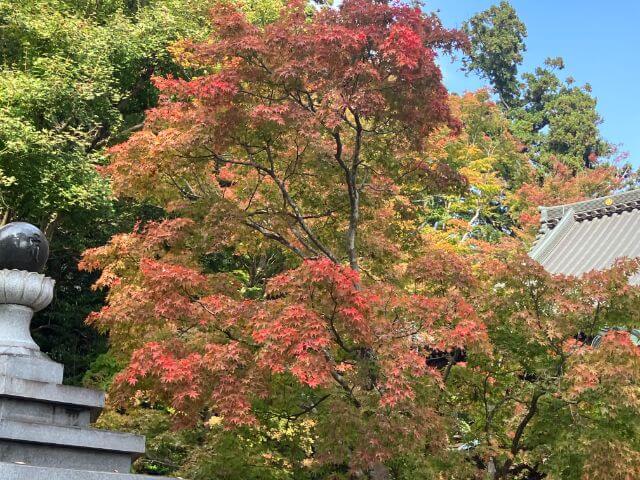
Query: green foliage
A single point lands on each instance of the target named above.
(559, 120)
(74, 76)
(101, 373)
(252, 270)
(208, 451)
(497, 44)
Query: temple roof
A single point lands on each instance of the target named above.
(579, 237)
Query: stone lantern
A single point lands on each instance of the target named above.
(45, 431)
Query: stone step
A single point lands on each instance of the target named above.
(34, 366)
(23, 410)
(53, 456)
(10, 471)
(47, 445)
(52, 393)
(74, 437)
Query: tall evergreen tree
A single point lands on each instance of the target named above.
(497, 39)
(555, 119)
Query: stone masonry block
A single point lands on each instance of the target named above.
(31, 367)
(10, 471)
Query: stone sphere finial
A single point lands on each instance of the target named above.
(23, 247)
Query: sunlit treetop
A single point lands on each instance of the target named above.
(340, 101)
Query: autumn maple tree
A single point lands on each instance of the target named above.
(305, 135)
(321, 293)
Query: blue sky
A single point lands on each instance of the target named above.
(600, 44)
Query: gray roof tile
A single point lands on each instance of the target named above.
(591, 235)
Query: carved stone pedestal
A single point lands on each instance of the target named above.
(45, 431)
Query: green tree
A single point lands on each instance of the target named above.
(497, 38)
(558, 120)
(555, 119)
(74, 76)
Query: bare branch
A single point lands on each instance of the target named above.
(274, 236)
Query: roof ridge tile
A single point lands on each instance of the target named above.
(589, 209)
